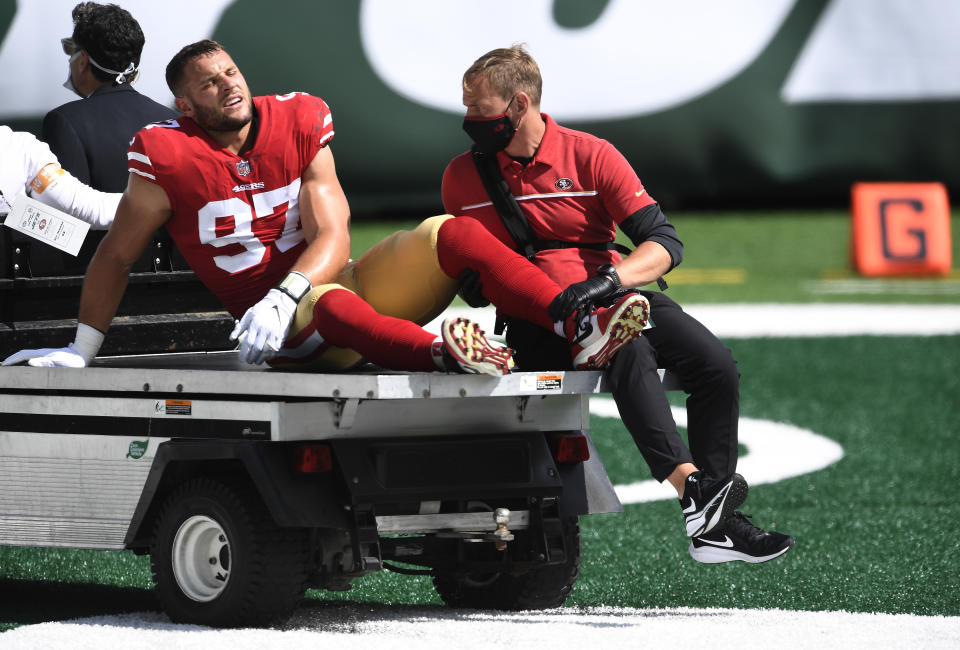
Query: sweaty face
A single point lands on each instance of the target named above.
(216, 94)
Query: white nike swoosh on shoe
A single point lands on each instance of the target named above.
(726, 543)
(722, 495)
(719, 511)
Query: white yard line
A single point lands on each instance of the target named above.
(775, 451)
(380, 627)
(751, 320)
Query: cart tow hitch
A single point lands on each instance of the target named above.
(502, 534)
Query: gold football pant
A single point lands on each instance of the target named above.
(399, 277)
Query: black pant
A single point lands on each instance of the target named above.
(681, 344)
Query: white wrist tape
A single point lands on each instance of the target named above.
(88, 341)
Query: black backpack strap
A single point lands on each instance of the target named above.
(547, 244)
(515, 220)
(505, 203)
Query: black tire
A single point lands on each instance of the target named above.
(218, 558)
(540, 588)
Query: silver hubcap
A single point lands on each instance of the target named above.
(201, 558)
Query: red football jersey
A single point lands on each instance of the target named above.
(577, 188)
(236, 219)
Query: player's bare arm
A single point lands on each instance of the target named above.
(143, 209)
(325, 219)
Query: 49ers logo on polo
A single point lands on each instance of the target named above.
(563, 184)
(213, 221)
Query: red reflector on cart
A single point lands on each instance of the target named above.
(569, 447)
(313, 459)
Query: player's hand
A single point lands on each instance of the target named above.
(263, 328)
(78, 354)
(471, 289)
(580, 294)
(68, 357)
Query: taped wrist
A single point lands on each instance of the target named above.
(87, 341)
(295, 285)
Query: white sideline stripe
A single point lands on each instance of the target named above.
(825, 319)
(758, 320)
(865, 286)
(775, 451)
(371, 626)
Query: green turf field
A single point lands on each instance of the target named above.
(876, 532)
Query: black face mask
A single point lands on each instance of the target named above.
(491, 134)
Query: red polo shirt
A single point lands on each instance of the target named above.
(577, 188)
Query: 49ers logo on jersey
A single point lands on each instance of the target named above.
(274, 225)
(563, 184)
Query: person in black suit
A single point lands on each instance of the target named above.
(89, 136)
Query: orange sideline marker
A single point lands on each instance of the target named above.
(900, 229)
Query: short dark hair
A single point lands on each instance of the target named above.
(109, 34)
(180, 60)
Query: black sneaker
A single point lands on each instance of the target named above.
(738, 539)
(707, 502)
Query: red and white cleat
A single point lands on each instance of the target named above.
(597, 335)
(466, 349)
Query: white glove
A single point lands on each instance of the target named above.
(263, 328)
(78, 354)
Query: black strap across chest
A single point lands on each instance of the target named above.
(515, 220)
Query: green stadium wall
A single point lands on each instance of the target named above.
(736, 104)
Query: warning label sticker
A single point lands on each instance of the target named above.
(175, 407)
(542, 383)
(549, 382)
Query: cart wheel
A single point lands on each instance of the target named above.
(542, 588)
(219, 559)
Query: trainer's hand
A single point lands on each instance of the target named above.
(263, 328)
(471, 289)
(78, 354)
(579, 294)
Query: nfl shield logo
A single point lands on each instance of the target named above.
(243, 167)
